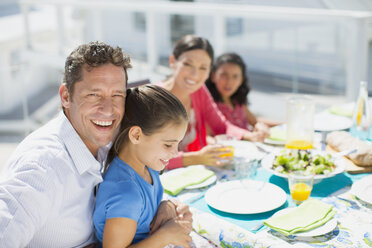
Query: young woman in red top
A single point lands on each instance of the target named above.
(191, 62)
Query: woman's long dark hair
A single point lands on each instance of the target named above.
(240, 96)
(151, 108)
(192, 42)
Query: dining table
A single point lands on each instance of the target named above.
(216, 228)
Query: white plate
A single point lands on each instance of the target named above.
(327, 227)
(245, 197)
(326, 122)
(274, 142)
(363, 189)
(267, 163)
(205, 183)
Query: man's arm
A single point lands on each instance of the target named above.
(26, 198)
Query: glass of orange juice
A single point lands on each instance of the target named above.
(300, 186)
(300, 115)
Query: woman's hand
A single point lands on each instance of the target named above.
(255, 136)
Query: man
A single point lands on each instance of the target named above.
(47, 186)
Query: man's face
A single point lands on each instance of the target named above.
(96, 106)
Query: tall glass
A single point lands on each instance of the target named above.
(300, 116)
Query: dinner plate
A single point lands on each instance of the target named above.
(363, 189)
(274, 142)
(327, 122)
(203, 184)
(327, 227)
(267, 163)
(245, 197)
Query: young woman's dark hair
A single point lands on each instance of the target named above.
(149, 107)
(192, 42)
(240, 96)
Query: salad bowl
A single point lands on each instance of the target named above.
(321, 164)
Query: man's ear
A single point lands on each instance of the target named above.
(172, 61)
(65, 96)
(135, 134)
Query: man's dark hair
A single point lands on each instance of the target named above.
(88, 56)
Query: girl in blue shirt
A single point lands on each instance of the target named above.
(127, 200)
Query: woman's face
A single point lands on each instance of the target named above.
(227, 78)
(191, 69)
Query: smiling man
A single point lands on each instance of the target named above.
(47, 186)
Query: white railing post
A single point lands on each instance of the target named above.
(219, 34)
(357, 57)
(27, 35)
(60, 29)
(152, 52)
(97, 25)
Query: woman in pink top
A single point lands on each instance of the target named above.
(228, 85)
(191, 62)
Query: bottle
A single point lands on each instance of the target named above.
(361, 117)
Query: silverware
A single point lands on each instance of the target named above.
(258, 226)
(196, 198)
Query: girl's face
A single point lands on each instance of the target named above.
(227, 78)
(191, 69)
(157, 149)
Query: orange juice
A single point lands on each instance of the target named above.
(300, 192)
(229, 153)
(299, 144)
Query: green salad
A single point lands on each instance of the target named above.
(303, 160)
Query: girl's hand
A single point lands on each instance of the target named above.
(210, 155)
(168, 210)
(175, 232)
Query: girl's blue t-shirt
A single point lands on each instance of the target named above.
(125, 194)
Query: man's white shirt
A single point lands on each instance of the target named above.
(47, 190)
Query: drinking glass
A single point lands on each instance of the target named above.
(300, 116)
(245, 168)
(300, 186)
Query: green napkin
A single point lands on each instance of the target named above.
(339, 110)
(309, 215)
(277, 133)
(189, 176)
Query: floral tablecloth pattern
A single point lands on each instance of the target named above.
(354, 229)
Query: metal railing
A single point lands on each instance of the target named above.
(356, 21)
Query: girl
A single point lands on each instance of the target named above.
(127, 200)
(228, 84)
(191, 62)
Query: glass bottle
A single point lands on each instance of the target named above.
(361, 115)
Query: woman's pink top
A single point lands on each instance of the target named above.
(206, 113)
(235, 115)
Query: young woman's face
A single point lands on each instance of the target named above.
(191, 69)
(157, 149)
(228, 78)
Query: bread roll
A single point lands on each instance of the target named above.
(341, 141)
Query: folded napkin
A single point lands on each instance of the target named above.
(341, 110)
(189, 176)
(309, 215)
(277, 133)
